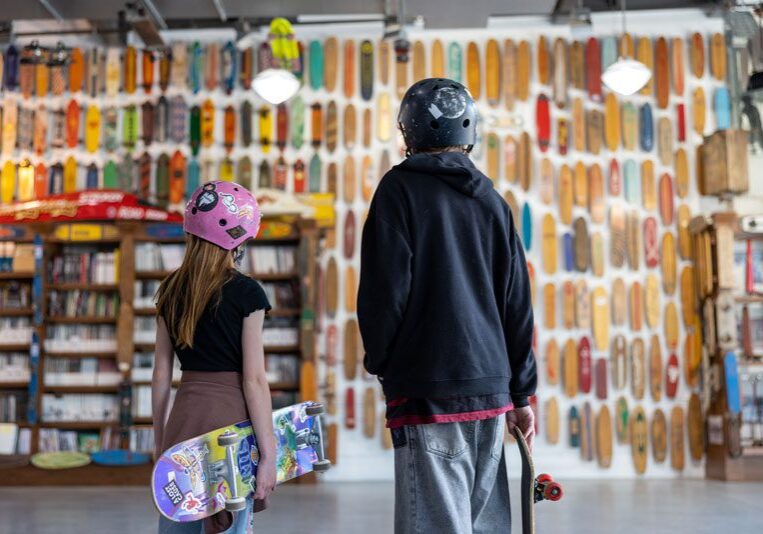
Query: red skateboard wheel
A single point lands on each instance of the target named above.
(553, 491)
(544, 478)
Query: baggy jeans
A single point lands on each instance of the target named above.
(450, 478)
(243, 523)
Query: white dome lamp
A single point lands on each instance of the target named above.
(626, 76)
(278, 83)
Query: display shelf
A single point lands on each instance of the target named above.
(58, 354)
(14, 347)
(79, 389)
(89, 475)
(82, 319)
(14, 385)
(16, 312)
(16, 275)
(76, 425)
(67, 286)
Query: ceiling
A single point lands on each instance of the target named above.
(469, 13)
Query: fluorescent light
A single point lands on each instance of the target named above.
(275, 85)
(626, 76)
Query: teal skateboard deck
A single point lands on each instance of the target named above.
(314, 174)
(455, 62)
(527, 226)
(196, 67)
(632, 182)
(722, 107)
(110, 175)
(195, 127)
(315, 65)
(192, 177)
(297, 126)
(608, 51)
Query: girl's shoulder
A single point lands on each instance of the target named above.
(248, 292)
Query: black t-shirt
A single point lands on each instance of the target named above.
(217, 340)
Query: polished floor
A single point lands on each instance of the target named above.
(591, 507)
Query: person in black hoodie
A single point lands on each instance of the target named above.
(446, 318)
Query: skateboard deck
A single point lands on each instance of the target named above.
(677, 438)
(367, 127)
(25, 189)
(129, 77)
(332, 287)
(585, 365)
(646, 128)
(593, 69)
(73, 112)
(161, 120)
(639, 440)
(632, 239)
(577, 65)
(677, 65)
(619, 302)
(493, 157)
(597, 254)
(697, 55)
(578, 125)
(297, 125)
(543, 61)
(437, 59)
(178, 117)
(194, 127)
(331, 62)
(76, 70)
(212, 64)
(265, 124)
(527, 226)
(493, 72)
(229, 128)
(552, 421)
(561, 76)
(672, 374)
(546, 184)
(70, 175)
(629, 125)
(568, 304)
(350, 287)
(651, 245)
(282, 126)
(113, 77)
(331, 126)
(645, 55)
(92, 128)
(229, 67)
(247, 68)
(666, 199)
(217, 470)
(455, 62)
(582, 244)
(350, 185)
(208, 123)
(586, 432)
(549, 245)
(509, 73)
(631, 180)
(693, 355)
(419, 62)
(177, 170)
(619, 362)
(524, 69)
(349, 408)
(622, 428)
(366, 70)
(661, 72)
(41, 187)
(617, 227)
(349, 127)
(600, 371)
(695, 428)
(570, 368)
(655, 368)
(147, 123)
(525, 161)
(668, 263)
(162, 181)
(369, 412)
(594, 130)
(533, 489)
(611, 122)
(670, 325)
(226, 172)
(718, 56)
(600, 313)
(543, 122)
(565, 194)
(563, 135)
(144, 183)
(7, 182)
(665, 141)
(604, 437)
(596, 202)
(608, 47)
(581, 185)
(635, 306)
(315, 64)
(473, 70)
(573, 424)
(688, 296)
(553, 364)
(638, 369)
(351, 343)
(348, 78)
(402, 47)
(681, 162)
(165, 56)
(659, 434)
(59, 460)
(652, 302)
(582, 305)
(698, 110)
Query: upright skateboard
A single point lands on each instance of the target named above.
(217, 470)
(533, 489)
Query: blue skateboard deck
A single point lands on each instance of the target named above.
(722, 105)
(646, 128)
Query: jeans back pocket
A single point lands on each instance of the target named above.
(447, 440)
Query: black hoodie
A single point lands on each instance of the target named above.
(444, 303)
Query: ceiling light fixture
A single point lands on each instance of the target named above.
(626, 75)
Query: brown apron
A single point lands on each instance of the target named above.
(204, 402)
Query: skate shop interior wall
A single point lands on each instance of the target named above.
(361, 458)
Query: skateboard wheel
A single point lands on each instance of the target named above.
(543, 478)
(321, 466)
(228, 439)
(315, 409)
(553, 491)
(235, 505)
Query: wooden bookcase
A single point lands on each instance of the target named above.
(721, 297)
(302, 234)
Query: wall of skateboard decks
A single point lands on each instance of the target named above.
(601, 188)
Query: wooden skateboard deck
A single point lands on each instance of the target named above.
(70, 175)
(573, 424)
(617, 236)
(565, 194)
(670, 325)
(510, 154)
(350, 287)
(619, 362)
(212, 64)
(635, 306)
(492, 72)
(561, 76)
(568, 304)
(677, 438)
(693, 355)
(629, 125)
(594, 130)
(130, 70)
(552, 421)
(366, 70)
(586, 433)
(600, 370)
(331, 126)
(581, 185)
(419, 61)
(72, 123)
(661, 72)
(282, 126)
(677, 65)
(718, 56)
(578, 125)
(348, 77)
(350, 185)
(437, 59)
(351, 344)
(651, 245)
(207, 123)
(698, 110)
(553, 364)
(473, 70)
(666, 199)
(92, 128)
(525, 161)
(644, 55)
(367, 178)
(619, 302)
(582, 245)
(549, 245)
(611, 122)
(665, 141)
(668, 263)
(493, 157)
(332, 288)
(639, 440)
(41, 187)
(349, 408)
(638, 369)
(570, 368)
(247, 68)
(162, 182)
(596, 202)
(177, 170)
(147, 70)
(604, 437)
(652, 302)
(631, 180)
(682, 173)
(563, 135)
(593, 69)
(688, 296)
(697, 55)
(696, 428)
(582, 305)
(76, 70)
(331, 62)
(546, 185)
(622, 427)
(349, 129)
(672, 374)
(600, 315)
(577, 65)
(543, 63)
(523, 70)
(384, 57)
(265, 127)
(632, 239)
(597, 254)
(509, 68)
(349, 235)
(147, 122)
(369, 412)
(655, 368)
(25, 189)
(659, 434)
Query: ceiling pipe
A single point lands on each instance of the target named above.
(220, 9)
(50, 9)
(155, 14)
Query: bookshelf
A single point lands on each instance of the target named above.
(94, 307)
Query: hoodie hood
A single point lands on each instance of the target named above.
(453, 168)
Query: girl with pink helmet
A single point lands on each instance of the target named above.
(211, 316)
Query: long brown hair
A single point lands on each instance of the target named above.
(185, 294)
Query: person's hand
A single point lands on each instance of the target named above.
(265, 481)
(524, 419)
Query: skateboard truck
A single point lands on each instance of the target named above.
(316, 438)
(546, 489)
(226, 469)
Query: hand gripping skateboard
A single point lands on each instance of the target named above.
(533, 489)
(217, 470)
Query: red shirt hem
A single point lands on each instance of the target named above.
(447, 417)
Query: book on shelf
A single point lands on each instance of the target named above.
(14, 367)
(18, 257)
(282, 368)
(15, 295)
(83, 303)
(88, 441)
(141, 400)
(81, 372)
(144, 330)
(282, 294)
(272, 259)
(142, 439)
(143, 367)
(15, 440)
(79, 338)
(280, 332)
(145, 293)
(77, 407)
(281, 399)
(15, 330)
(84, 265)
(13, 405)
(158, 256)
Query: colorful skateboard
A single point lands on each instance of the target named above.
(217, 471)
(366, 70)
(639, 439)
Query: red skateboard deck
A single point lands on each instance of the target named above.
(543, 122)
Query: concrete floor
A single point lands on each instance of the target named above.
(638, 507)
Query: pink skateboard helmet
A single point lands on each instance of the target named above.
(223, 213)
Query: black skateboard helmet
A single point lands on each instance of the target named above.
(437, 112)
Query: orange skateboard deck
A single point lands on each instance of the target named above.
(578, 125)
(419, 63)
(617, 248)
(604, 437)
(549, 244)
(626, 45)
(509, 73)
(695, 428)
(661, 72)
(350, 282)
(350, 183)
(697, 55)
(549, 305)
(681, 162)
(565, 194)
(668, 263)
(130, 70)
(659, 435)
(546, 185)
(525, 161)
(473, 70)
(493, 72)
(552, 421)
(76, 70)
(438, 59)
(523, 70)
(351, 344)
(594, 130)
(349, 130)
(648, 185)
(677, 65)
(655, 368)
(652, 299)
(568, 304)
(570, 368)
(644, 55)
(635, 306)
(677, 438)
(718, 56)
(349, 68)
(596, 201)
(688, 296)
(553, 365)
(384, 55)
(331, 126)
(367, 127)
(666, 199)
(600, 314)
(670, 326)
(698, 110)
(331, 62)
(581, 185)
(611, 122)
(543, 62)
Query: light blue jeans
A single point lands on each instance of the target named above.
(450, 478)
(243, 523)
